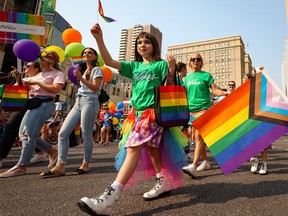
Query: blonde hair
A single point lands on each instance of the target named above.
(51, 57)
(189, 64)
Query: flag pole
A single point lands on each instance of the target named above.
(97, 13)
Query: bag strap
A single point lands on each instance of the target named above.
(176, 79)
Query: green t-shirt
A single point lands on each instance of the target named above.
(198, 90)
(144, 78)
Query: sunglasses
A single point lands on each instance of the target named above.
(231, 85)
(196, 59)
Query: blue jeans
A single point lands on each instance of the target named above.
(84, 111)
(29, 131)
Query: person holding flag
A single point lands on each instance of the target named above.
(145, 152)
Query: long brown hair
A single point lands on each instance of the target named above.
(156, 55)
(83, 66)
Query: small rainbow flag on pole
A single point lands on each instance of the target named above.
(101, 12)
(78, 59)
(245, 122)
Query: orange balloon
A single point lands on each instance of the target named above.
(112, 106)
(107, 73)
(71, 35)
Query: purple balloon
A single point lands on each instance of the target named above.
(71, 75)
(120, 111)
(26, 50)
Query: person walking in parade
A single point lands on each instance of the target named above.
(198, 85)
(84, 111)
(144, 138)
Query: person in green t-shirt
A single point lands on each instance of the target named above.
(147, 71)
(198, 85)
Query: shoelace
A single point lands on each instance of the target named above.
(158, 183)
(262, 166)
(104, 195)
(255, 163)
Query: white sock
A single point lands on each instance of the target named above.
(119, 185)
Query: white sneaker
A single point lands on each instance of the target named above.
(190, 170)
(263, 168)
(161, 187)
(205, 165)
(254, 164)
(101, 205)
(38, 158)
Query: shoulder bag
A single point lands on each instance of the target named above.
(171, 104)
(103, 97)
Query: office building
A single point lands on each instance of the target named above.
(225, 58)
(128, 37)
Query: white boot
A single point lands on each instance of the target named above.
(160, 188)
(101, 205)
(254, 164)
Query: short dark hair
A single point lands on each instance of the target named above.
(180, 66)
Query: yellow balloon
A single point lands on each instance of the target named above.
(115, 121)
(58, 50)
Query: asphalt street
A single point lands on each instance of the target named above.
(211, 193)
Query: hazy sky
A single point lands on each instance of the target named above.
(260, 23)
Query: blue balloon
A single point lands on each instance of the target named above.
(117, 115)
(120, 105)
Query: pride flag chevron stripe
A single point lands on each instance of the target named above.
(245, 122)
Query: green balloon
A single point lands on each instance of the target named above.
(74, 49)
(100, 60)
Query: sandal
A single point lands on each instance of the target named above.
(79, 171)
(101, 143)
(49, 174)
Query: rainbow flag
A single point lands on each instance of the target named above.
(245, 122)
(171, 105)
(13, 97)
(101, 12)
(78, 59)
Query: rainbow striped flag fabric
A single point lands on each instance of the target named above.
(13, 97)
(78, 59)
(171, 106)
(245, 122)
(101, 12)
